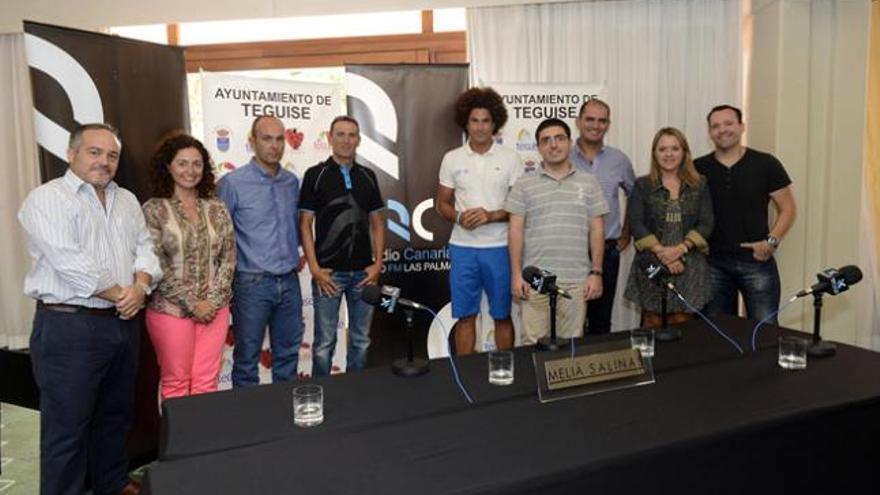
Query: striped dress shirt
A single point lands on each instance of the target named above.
(79, 247)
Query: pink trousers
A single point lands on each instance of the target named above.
(189, 353)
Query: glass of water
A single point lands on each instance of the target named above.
(308, 405)
(643, 340)
(501, 367)
(793, 353)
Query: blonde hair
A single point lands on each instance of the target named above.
(687, 173)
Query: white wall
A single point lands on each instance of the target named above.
(807, 106)
(93, 14)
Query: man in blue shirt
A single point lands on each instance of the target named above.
(262, 198)
(615, 173)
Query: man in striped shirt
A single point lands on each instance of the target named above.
(93, 266)
(554, 212)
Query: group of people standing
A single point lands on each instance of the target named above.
(198, 251)
(192, 254)
(705, 220)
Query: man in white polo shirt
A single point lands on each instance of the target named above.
(474, 181)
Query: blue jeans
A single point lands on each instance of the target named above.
(758, 281)
(360, 315)
(599, 310)
(261, 299)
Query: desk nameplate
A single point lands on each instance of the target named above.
(590, 370)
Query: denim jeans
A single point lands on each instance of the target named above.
(599, 310)
(261, 299)
(360, 315)
(758, 281)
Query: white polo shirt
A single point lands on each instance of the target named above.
(480, 180)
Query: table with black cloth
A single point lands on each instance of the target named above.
(715, 421)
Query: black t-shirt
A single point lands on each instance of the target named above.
(342, 208)
(740, 198)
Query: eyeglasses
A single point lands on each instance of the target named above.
(559, 139)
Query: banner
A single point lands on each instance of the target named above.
(231, 103)
(529, 104)
(229, 106)
(406, 118)
(81, 77)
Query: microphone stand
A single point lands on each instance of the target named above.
(551, 343)
(666, 334)
(819, 348)
(411, 365)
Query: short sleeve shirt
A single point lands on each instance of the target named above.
(740, 198)
(480, 180)
(342, 199)
(557, 215)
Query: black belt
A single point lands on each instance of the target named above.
(610, 242)
(76, 309)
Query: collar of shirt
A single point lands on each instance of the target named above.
(470, 151)
(580, 152)
(571, 171)
(659, 186)
(260, 171)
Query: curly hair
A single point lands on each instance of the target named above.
(486, 98)
(166, 150)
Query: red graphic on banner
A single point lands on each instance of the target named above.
(294, 138)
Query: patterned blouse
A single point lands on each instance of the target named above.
(197, 257)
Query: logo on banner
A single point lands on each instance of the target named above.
(524, 141)
(384, 118)
(222, 134)
(321, 143)
(294, 138)
(401, 227)
(83, 95)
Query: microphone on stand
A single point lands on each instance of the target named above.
(545, 283)
(387, 297)
(831, 281)
(659, 274)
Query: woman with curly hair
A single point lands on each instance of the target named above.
(188, 316)
(670, 216)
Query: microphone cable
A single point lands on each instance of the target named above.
(768, 318)
(451, 360)
(710, 322)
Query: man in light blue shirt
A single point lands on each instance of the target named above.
(93, 266)
(615, 172)
(262, 198)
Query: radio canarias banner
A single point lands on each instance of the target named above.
(529, 104)
(406, 119)
(229, 106)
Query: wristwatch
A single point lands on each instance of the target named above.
(773, 241)
(596, 272)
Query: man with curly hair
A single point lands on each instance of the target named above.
(474, 182)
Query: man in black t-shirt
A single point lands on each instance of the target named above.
(743, 182)
(341, 199)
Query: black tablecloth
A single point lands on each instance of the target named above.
(715, 421)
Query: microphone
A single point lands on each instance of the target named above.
(386, 297)
(543, 281)
(833, 281)
(656, 271)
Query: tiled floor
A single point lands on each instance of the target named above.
(19, 450)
